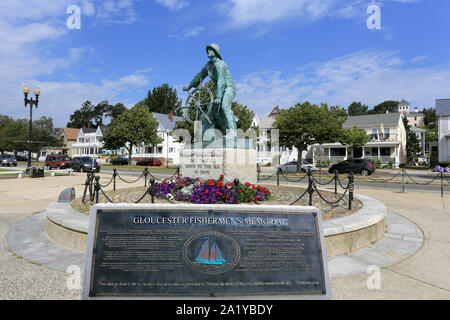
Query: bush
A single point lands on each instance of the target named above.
(444, 164)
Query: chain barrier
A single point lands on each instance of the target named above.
(265, 179)
(299, 198)
(331, 202)
(422, 184)
(321, 183)
(130, 182)
(387, 180)
(106, 185)
(286, 177)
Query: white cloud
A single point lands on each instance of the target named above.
(173, 5)
(27, 29)
(367, 76)
(188, 32)
(243, 13)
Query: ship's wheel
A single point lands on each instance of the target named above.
(198, 102)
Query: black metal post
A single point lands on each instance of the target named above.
(351, 187)
(403, 180)
(32, 102)
(310, 187)
(97, 188)
(278, 177)
(336, 177)
(114, 178)
(442, 184)
(152, 189)
(86, 186)
(145, 176)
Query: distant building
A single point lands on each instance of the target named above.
(416, 118)
(420, 133)
(169, 149)
(387, 141)
(68, 136)
(443, 119)
(89, 142)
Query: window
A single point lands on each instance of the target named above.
(385, 152)
(159, 150)
(171, 150)
(374, 152)
(337, 152)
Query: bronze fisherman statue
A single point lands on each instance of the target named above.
(219, 114)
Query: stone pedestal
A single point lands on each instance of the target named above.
(211, 163)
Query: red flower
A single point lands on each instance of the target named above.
(207, 191)
(222, 176)
(182, 184)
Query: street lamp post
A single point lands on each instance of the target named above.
(32, 103)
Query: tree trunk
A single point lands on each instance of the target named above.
(299, 158)
(130, 152)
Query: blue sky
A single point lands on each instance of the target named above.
(279, 52)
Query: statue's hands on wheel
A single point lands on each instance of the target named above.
(218, 101)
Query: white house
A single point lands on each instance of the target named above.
(169, 149)
(443, 118)
(387, 141)
(90, 142)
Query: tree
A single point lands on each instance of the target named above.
(115, 110)
(133, 127)
(429, 118)
(45, 134)
(243, 115)
(357, 109)
(83, 117)
(386, 106)
(413, 148)
(354, 137)
(306, 124)
(162, 99)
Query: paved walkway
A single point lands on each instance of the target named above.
(422, 276)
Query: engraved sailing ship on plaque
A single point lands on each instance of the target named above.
(210, 253)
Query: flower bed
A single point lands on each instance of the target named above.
(209, 191)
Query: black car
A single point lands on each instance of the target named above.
(120, 161)
(85, 164)
(362, 166)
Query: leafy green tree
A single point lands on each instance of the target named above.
(354, 137)
(82, 118)
(14, 135)
(429, 118)
(133, 127)
(162, 99)
(45, 134)
(413, 148)
(357, 109)
(306, 124)
(115, 110)
(386, 106)
(243, 115)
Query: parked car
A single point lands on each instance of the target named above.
(120, 161)
(292, 167)
(149, 162)
(363, 166)
(8, 160)
(85, 164)
(57, 161)
(21, 158)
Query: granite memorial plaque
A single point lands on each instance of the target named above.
(205, 251)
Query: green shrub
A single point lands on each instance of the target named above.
(444, 164)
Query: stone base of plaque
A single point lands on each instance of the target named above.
(211, 163)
